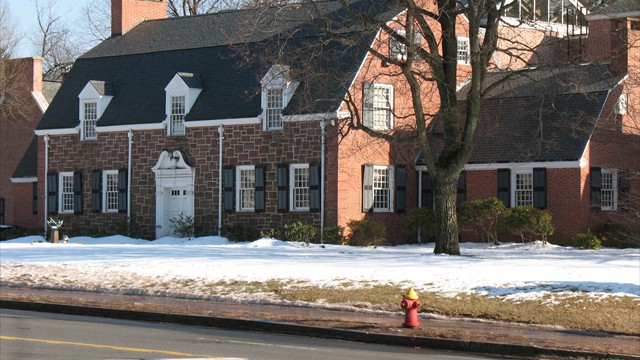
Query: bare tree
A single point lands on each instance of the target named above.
(11, 78)
(53, 41)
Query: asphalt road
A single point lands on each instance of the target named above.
(30, 335)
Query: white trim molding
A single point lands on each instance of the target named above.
(23, 180)
(66, 131)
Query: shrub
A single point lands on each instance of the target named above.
(613, 234)
(482, 216)
(183, 226)
(586, 241)
(11, 232)
(366, 232)
(333, 235)
(299, 232)
(528, 222)
(238, 233)
(420, 221)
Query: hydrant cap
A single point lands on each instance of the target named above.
(411, 295)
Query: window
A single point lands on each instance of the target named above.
(299, 187)
(246, 187)
(523, 188)
(274, 108)
(89, 120)
(398, 49)
(621, 105)
(377, 193)
(608, 189)
(66, 192)
(378, 106)
(552, 11)
(34, 198)
(176, 117)
(110, 190)
(463, 50)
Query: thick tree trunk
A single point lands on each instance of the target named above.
(444, 204)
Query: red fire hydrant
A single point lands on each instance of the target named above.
(410, 305)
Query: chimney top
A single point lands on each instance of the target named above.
(126, 14)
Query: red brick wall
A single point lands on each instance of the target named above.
(16, 132)
(125, 14)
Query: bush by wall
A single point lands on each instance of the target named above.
(420, 221)
(366, 233)
(528, 223)
(587, 241)
(482, 217)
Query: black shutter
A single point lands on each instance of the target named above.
(228, 185)
(2, 221)
(314, 188)
(77, 192)
(34, 198)
(401, 188)
(96, 191)
(122, 190)
(282, 180)
(461, 195)
(260, 202)
(52, 193)
(427, 190)
(367, 188)
(504, 186)
(596, 185)
(623, 190)
(540, 188)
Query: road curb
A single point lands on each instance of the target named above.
(314, 331)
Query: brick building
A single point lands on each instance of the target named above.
(200, 116)
(25, 99)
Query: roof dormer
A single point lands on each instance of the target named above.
(94, 99)
(277, 89)
(181, 93)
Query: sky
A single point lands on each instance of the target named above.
(182, 268)
(23, 12)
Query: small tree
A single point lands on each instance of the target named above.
(482, 216)
(183, 226)
(528, 223)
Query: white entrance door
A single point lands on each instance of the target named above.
(177, 201)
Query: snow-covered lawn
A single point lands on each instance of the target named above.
(178, 267)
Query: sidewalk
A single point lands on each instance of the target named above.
(435, 332)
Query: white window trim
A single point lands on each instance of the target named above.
(398, 49)
(463, 39)
(514, 175)
(105, 173)
(170, 96)
(292, 201)
(61, 193)
(266, 108)
(239, 170)
(83, 119)
(277, 77)
(614, 189)
(391, 189)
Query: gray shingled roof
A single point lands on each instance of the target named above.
(539, 115)
(616, 7)
(28, 166)
(218, 49)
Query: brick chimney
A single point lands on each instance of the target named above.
(125, 14)
(25, 71)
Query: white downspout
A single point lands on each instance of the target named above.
(46, 194)
(322, 184)
(129, 172)
(220, 138)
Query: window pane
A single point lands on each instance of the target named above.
(274, 108)
(608, 190)
(463, 50)
(177, 115)
(111, 191)
(301, 188)
(90, 119)
(381, 194)
(524, 189)
(381, 108)
(66, 195)
(247, 189)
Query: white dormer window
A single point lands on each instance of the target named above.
(176, 118)
(181, 93)
(94, 99)
(398, 49)
(277, 90)
(377, 104)
(89, 120)
(463, 50)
